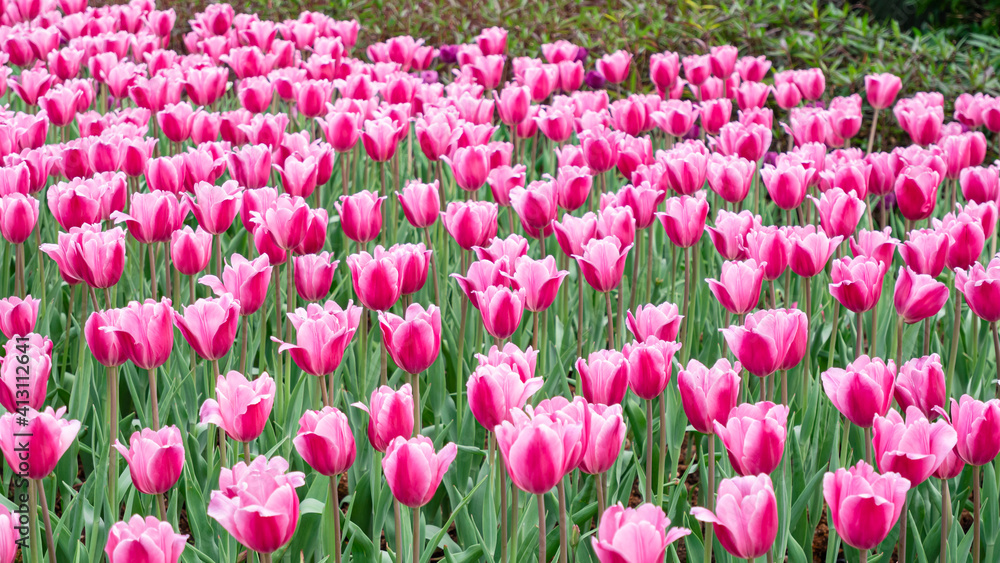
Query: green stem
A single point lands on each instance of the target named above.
(49, 542)
(648, 497)
(335, 503)
(542, 555)
(976, 515)
(710, 498)
(563, 526)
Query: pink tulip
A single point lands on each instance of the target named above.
(18, 316)
(540, 280)
(916, 192)
(603, 263)
(708, 394)
(314, 275)
(925, 251)
(536, 206)
(24, 372)
(503, 179)
(247, 281)
(770, 248)
(420, 203)
(920, 384)
(839, 212)
(190, 250)
(155, 459)
(143, 539)
(675, 117)
(616, 221)
(496, 389)
(864, 506)
(981, 288)
(685, 170)
(298, 175)
(615, 66)
(209, 325)
(18, 216)
(979, 184)
(787, 182)
(769, 340)
(863, 391)
(810, 250)
(874, 244)
(966, 239)
(746, 516)
(573, 233)
(857, 282)
(730, 232)
(257, 503)
(501, 310)
(470, 167)
(242, 407)
(654, 321)
(33, 441)
(325, 441)
(881, 89)
(146, 332)
(607, 434)
(604, 377)
(730, 177)
(287, 219)
(650, 366)
(664, 69)
(600, 148)
(539, 449)
(754, 436)
(914, 449)
(738, 286)
(636, 535)
(977, 424)
(361, 215)
(918, 296)
(390, 416)
(470, 223)
(512, 104)
(414, 470)
(684, 219)
(413, 342)
(322, 333)
(749, 141)
(377, 280)
(507, 250)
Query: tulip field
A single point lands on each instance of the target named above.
(278, 296)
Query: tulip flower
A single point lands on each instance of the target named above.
(787, 182)
(914, 448)
(607, 434)
(522, 362)
(684, 219)
(325, 441)
(863, 390)
(738, 286)
(18, 316)
(754, 436)
(470, 223)
(144, 539)
(746, 516)
(413, 342)
(414, 470)
(650, 366)
(209, 325)
(247, 281)
(976, 423)
(636, 535)
(709, 394)
(501, 309)
(536, 207)
(603, 263)
(981, 288)
(920, 384)
(654, 321)
(769, 247)
(242, 407)
(857, 283)
(916, 192)
(769, 341)
(881, 89)
(286, 219)
(249, 492)
(979, 184)
(18, 216)
(925, 251)
(390, 416)
(539, 449)
(573, 233)
(190, 250)
(730, 177)
(864, 505)
(685, 168)
(839, 212)
(730, 232)
(494, 390)
(377, 279)
(155, 459)
(810, 250)
(215, 207)
(540, 280)
(420, 203)
(314, 275)
(966, 239)
(604, 377)
(24, 373)
(40, 436)
(918, 296)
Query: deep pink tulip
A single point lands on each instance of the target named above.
(751, 95)
(522, 362)
(730, 233)
(730, 177)
(981, 288)
(738, 286)
(864, 506)
(209, 325)
(616, 221)
(709, 394)
(247, 281)
(250, 166)
(754, 436)
(916, 192)
(325, 441)
(512, 103)
(361, 215)
(299, 175)
(977, 424)
(573, 233)
(143, 539)
(925, 251)
(314, 275)
(190, 250)
(787, 182)
(685, 169)
(857, 282)
(43, 439)
(507, 250)
(675, 117)
(470, 166)
(380, 138)
(257, 503)
(603, 263)
(496, 389)
(769, 247)
(146, 332)
(654, 321)
(414, 470)
(750, 141)
(377, 279)
(746, 516)
(684, 218)
(18, 216)
(412, 341)
(322, 333)
(715, 114)
(152, 216)
(24, 372)
(879, 245)
(642, 199)
(242, 407)
(918, 296)
(215, 207)
(536, 206)
(420, 202)
(629, 115)
(604, 377)
(966, 239)
(769, 340)
(503, 179)
(175, 121)
(863, 390)
(18, 316)
(501, 309)
(881, 89)
(839, 212)
(664, 68)
(471, 223)
(810, 250)
(87, 254)
(390, 416)
(600, 148)
(614, 67)
(155, 458)
(650, 366)
(604, 443)
(979, 184)
(106, 345)
(916, 448)
(342, 129)
(539, 449)
(540, 280)
(636, 535)
(920, 384)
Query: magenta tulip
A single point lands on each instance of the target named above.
(863, 390)
(539, 449)
(920, 384)
(242, 407)
(246, 280)
(916, 448)
(754, 436)
(607, 434)
(738, 286)
(769, 340)
(636, 535)
(746, 516)
(36, 439)
(144, 539)
(209, 325)
(604, 377)
(325, 441)
(496, 389)
(650, 366)
(978, 424)
(155, 459)
(864, 505)
(390, 416)
(322, 334)
(709, 394)
(918, 296)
